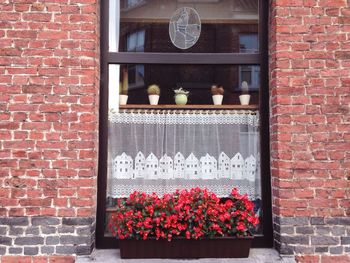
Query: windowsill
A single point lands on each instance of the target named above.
(256, 255)
(190, 107)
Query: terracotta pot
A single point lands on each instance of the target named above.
(244, 99)
(221, 247)
(153, 99)
(217, 99)
(123, 99)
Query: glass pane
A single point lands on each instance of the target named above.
(197, 79)
(211, 26)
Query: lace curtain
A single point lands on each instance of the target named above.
(161, 151)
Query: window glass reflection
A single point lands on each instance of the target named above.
(227, 26)
(197, 79)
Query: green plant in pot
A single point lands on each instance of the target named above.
(181, 96)
(244, 98)
(153, 94)
(217, 92)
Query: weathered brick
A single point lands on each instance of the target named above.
(323, 230)
(304, 240)
(345, 221)
(29, 241)
(294, 221)
(338, 230)
(77, 221)
(317, 221)
(65, 250)
(3, 231)
(48, 230)
(66, 229)
(15, 250)
(336, 250)
(345, 240)
(47, 250)
(321, 249)
(325, 240)
(75, 240)
(83, 250)
(16, 231)
(31, 251)
(52, 240)
(14, 221)
(84, 231)
(304, 230)
(304, 250)
(45, 221)
(5, 241)
(32, 231)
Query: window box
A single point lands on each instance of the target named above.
(221, 247)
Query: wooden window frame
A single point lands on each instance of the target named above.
(107, 58)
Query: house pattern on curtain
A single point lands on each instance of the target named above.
(162, 151)
(192, 168)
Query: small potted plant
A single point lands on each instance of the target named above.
(123, 88)
(153, 94)
(186, 224)
(218, 94)
(244, 97)
(181, 96)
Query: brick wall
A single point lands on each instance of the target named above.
(49, 86)
(49, 92)
(310, 128)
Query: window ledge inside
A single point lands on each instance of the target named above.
(189, 107)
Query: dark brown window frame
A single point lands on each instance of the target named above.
(107, 58)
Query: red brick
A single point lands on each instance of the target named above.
(333, 258)
(15, 259)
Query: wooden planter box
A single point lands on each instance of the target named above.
(226, 247)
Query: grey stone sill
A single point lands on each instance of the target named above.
(257, 255)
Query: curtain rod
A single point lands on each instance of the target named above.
(181, 111)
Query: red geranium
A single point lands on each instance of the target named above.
(194, 213)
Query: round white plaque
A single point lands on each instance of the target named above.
(185, 27)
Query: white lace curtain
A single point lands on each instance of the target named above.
(161, 151)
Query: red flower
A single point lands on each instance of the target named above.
(194, 213)
(241, 226)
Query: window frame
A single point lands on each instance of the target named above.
(261, 59)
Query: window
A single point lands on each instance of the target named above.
(248, 43)
(230, 49)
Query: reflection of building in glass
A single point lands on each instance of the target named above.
(135, 42)
(249, 43)
(226, 27)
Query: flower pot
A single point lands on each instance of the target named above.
(244, 99)
(221, 247)
(123, 99)
(180, 99)
(217, 99)
(153, 99)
